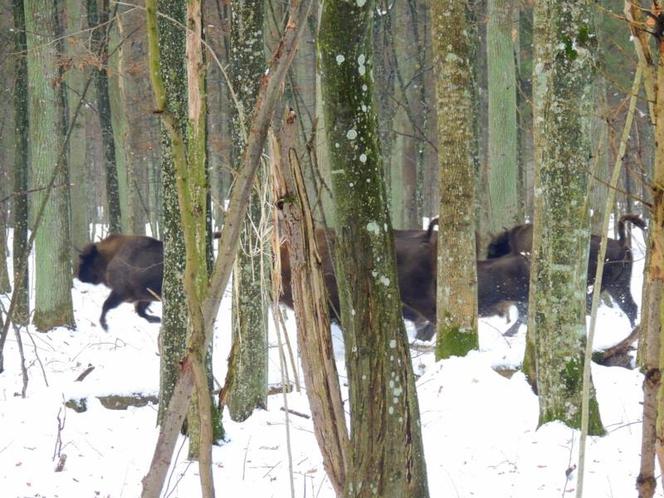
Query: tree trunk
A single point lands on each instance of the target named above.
(266, 102)
(503, 166)
(75, 76)
(386, 457)
(53, 303)
(311, 304)
(137, 122)
(563, 71)
(453, 32)
(99, 24)
(249, 387)
(21, 167)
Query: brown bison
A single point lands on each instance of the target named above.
(130, 265)
(499, 281)
(413, 268)
(617, 273)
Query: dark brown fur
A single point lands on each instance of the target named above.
(130, 265)
(413, 268)
(617, 273)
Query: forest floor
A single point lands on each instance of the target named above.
(479, 427)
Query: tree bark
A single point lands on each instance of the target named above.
(503, 166)
(21, 313)
(99, 24)
(453, 31)
(265, 104)
(564, 66)
(311, 305)
(386, 456)
(53, 303)
(249, 387)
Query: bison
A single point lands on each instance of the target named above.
(499, 281)
(617, 273)
(130, 265)
(413, 268)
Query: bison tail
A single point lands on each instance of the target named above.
(432, 223)
(632, 218)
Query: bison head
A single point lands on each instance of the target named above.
(91, 265)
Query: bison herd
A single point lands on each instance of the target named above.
(132, 267)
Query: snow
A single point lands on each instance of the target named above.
(479, 427)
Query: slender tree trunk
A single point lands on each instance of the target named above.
(453, 32)
(564, 64)
(53, 303)
(173, 333)
(75, 79)
(136, 121)
(655, 271)
(98, 22)
(266, 102)
(249, 387)
(386, 457)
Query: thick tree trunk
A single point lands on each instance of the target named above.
(564, 58)
(53, 303)
(453, 33)
(249, 387)
(386, 456)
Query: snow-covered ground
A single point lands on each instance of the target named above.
(479, 428)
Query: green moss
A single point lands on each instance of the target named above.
(452, 341)
(218, 431)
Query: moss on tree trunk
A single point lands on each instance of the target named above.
(386, 447)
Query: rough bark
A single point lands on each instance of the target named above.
(53, 303)
(655, 271)
(271, 88)
(249, 387)
(311, 315)
(99, 24)
(564, 63)
(386, 457)
(75, 79)
(138, 122)
(453, 31)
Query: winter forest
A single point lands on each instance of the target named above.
(333, 248)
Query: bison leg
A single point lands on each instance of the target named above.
(521, 319)
(141, 308)
(112, 301)
(622, 295)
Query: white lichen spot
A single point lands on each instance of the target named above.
(390, 410)
(351, 135)
(391, 384)
(363, 159)
(364, 108)
(365, 88)
(360, 3)
(362, 70)
(336, 145)
(384, 280)
(340, 59)
(393, 343)
(372, 227)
